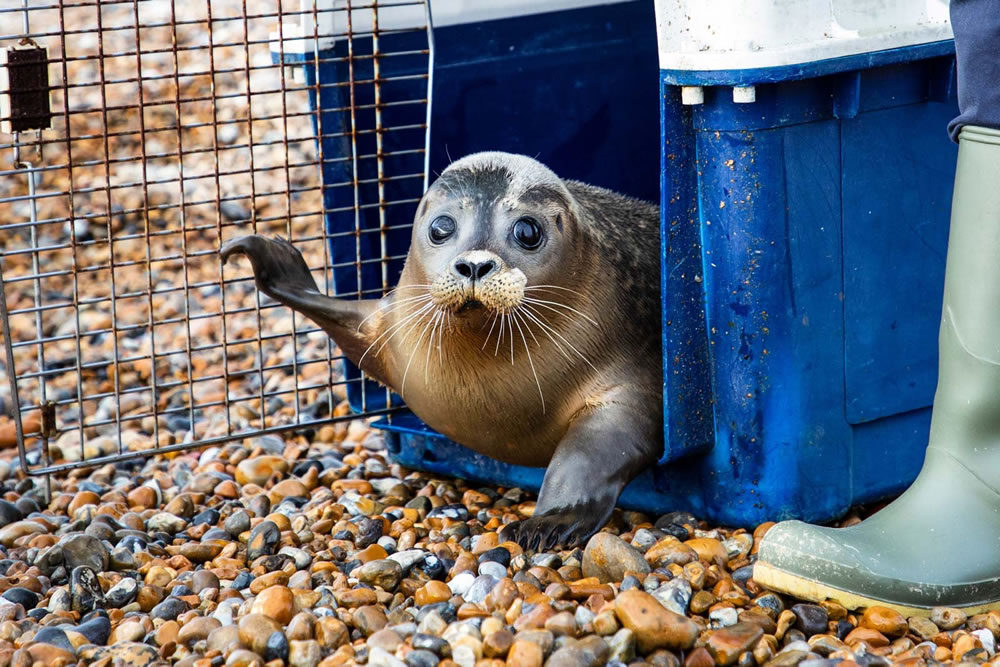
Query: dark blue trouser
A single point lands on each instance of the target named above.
(976, 24)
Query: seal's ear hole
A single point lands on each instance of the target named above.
(559, 221)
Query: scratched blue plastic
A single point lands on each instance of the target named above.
(803, 248)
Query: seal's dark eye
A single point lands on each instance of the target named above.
(441, 229)
(528, 233)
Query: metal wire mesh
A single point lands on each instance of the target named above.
(176, 126)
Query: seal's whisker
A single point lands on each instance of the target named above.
(416, 346)
(549, 304)
(438, 318)
(393, 330)
(520, 311)
(490, 332)
(570, 345)
(407, 299)
(413, 300)
(511, 327)
(445, 320)
(552, 287)
(412, 319)
(559, 346)
(531, 364)
(427, 356)
(503, 320)
(395, 305)
(426, 317)
(450, 325)
(417, 312)
(410, 299)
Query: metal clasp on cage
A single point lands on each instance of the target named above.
(24, 92)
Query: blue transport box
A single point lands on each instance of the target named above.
(805, 202)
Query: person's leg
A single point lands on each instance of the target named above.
(976, 24)
(939, 543)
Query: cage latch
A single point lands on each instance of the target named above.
(24, 88)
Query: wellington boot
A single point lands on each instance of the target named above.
(938, 544)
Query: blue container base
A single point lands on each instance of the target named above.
(690, 484)
(414, 445)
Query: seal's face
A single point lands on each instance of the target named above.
(486, 231)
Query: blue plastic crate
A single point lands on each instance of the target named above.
(811, 225)
(803, 248)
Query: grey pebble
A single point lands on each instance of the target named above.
(492, 569)
(675, 595)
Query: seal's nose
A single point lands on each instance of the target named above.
(474, 270)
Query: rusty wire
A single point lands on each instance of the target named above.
(175, 128)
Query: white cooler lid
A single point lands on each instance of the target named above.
(708, 35)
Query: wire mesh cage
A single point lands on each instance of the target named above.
(142, 134)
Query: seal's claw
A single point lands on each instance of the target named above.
(567, 528)
(233, 247)
(511, 532)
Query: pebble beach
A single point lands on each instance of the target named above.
(320, 551)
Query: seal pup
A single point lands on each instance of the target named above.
(525, 325)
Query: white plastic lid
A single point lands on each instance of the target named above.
(711, 35)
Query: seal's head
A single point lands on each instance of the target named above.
(491, 225)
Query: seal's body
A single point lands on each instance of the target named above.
(525, 326)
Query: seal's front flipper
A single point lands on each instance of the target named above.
(601, 452)
(278, 267)
(281, 273)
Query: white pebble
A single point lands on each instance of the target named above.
(408, 558)
(738, 546)
(404, 630)
(798, 645)
(986, 637)
(724, 617)
(228, 134)
(432, 624)
(80, 229)
(583, 616)
(379, 657)
(464, 656)
(302, 558)
(209, 454)
(224, 612)
(460, 584)
(460, 629)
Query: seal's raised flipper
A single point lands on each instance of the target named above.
(278, 267)
(281, 273)
(601, 452)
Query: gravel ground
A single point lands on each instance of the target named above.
(310, 548)
(318, 550)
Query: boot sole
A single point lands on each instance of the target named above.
(807, 589)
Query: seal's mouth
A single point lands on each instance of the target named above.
(499, 292)
(471, 304)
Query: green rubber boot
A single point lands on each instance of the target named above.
(938, 544)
